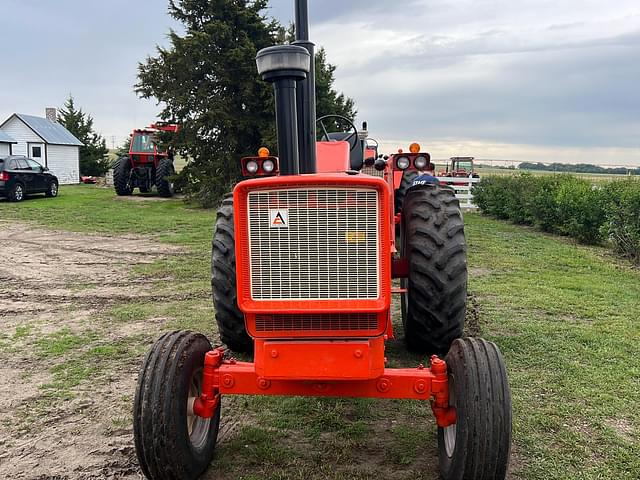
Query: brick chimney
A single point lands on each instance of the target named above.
(51, 114)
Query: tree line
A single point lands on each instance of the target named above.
(578, 168)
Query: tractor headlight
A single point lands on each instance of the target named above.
(252, 166)
(420, 162)
(268, 166)
(403, 163)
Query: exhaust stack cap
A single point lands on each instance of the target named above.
(283, 61)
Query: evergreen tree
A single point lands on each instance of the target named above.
(328, 100)
(94, 154)
(208, 84)
(123, 149)
(206, 80)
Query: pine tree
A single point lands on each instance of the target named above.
(206, 80)
(208, 84)
(93, 155)
(328, 100)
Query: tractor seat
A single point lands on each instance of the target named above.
(356, 156)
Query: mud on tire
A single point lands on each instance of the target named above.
(229, 318)
(433, 309)
(163, 184)
(169, 442)
(478, 445)
(122, 177)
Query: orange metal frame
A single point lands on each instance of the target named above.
(229, 377)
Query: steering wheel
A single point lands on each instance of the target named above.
(353, 135)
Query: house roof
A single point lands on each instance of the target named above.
(50, 132)
(4, 138)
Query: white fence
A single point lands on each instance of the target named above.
(462, 186)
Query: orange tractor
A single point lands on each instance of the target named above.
(304, 259)
(146, 165)
(459, 167)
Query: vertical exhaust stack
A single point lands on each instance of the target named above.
(284, 66)
(306, 93)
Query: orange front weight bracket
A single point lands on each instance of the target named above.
(229, 377)
(207, 403)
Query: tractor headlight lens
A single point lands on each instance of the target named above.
(403, 163)
(268, 166)
(420, 162)
(252, 166)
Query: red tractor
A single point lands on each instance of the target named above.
(145, 165)
(459, 167)
(303, 262)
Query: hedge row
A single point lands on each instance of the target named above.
(567, 205)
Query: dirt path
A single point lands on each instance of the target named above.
(54, 290)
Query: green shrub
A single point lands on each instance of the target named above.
(569, 206)
(581, 210)
(622, 226)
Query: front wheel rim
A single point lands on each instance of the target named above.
(449, 433)
(197, 427)
(18, 193)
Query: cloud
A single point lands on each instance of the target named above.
(508, 78)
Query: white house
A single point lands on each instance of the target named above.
(5, 144)
(47, 142)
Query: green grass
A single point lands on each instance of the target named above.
(564, 315)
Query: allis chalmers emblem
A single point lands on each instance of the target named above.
(278, 217)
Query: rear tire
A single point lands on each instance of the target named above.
(122, 177)
(229, 318)
(434, 306)
(476, 447)
(17, 193)
(163, 184)
(169, 442)
(405, 185)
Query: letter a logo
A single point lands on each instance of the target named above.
(278, 217)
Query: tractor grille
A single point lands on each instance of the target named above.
(322, 322)
(314, 244)
(372, 171)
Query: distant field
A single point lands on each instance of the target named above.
(484, 170)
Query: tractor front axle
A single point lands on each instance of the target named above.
(229, 377)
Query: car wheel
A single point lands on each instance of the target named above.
(17, 193)
(52, 191)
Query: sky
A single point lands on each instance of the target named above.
(526, 80)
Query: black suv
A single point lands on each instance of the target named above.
(20, 176)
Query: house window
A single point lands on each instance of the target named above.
(36, 152)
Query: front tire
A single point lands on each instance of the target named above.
(52, 191)
(434, 305)
(477, 446)
(122, 177)
(163, 184)
(170, 442)
(229, 318)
